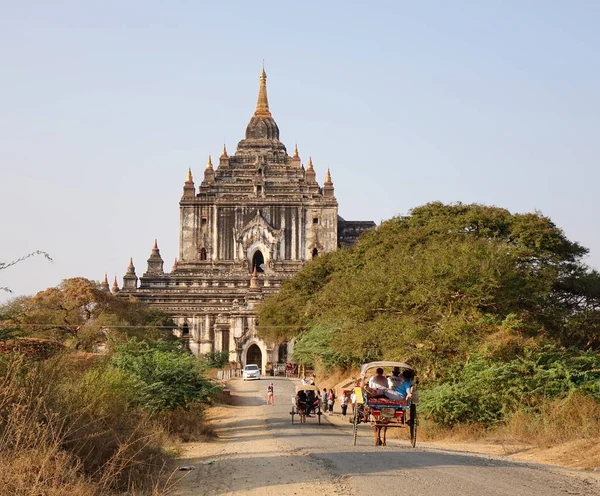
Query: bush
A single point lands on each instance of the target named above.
(217, 359)
(487, 391)
(165, 376)
(68, 427)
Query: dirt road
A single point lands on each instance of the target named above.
(259, 451)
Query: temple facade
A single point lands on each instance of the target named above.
(256, 218)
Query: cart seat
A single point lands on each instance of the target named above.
(387, 402)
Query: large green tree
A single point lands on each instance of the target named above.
(441, 283)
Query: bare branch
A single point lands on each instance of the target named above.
(6, 265)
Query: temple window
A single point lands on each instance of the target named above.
(315, 253)
(258, 261)
(315, 220)
(203, 254)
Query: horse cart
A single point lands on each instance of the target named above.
(382, 412)
(306, 403)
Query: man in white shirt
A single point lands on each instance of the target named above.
(378, 382)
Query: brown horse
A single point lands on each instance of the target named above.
(377, 430)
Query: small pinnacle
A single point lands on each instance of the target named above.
(209, 165)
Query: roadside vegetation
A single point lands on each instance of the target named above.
(82, 423)
(498, 312)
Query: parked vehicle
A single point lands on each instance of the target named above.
(251, 371)
(383, 412)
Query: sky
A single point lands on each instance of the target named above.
(105, 105)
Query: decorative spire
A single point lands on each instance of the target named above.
(115, 284)
(224, 154)
(254, 279)
(175, 264)
(209, 165)
(130, 279)
(262, 105)
(105, 286)
(115, 287)
(155, 247)
(310, 164)
(296, 152)
(189, 178)
(328, 177)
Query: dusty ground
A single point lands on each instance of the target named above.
(276, 469)
(258, 451)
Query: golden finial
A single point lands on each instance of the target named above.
(209, 165)
(328, 176)
(105, 278)
(254, 273)
(224, 154)
(155, 247)
(262, 105)
(189, 178)
(131, 262)
(310, 164)
(115, 284)
(296, 152)
(175, 263)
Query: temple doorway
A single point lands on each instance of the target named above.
(254, 355)
(258, 261)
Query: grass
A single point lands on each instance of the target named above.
(67, 427)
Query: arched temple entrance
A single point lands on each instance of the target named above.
(258, 261)
(254, 355)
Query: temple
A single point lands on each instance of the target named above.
(256, 218)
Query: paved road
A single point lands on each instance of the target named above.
(400, 469)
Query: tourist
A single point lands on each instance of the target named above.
(330, 401)
(344, 403)
(324, 396)
(270, 398)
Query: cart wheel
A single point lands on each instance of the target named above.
(413, 425)
(355, 426)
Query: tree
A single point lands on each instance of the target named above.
(79, 313)
(435, 286)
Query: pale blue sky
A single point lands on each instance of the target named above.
(104, 106)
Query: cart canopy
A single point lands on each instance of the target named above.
(306, 387)
(373, 365)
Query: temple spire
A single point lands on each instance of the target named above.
(189, 178)
(262, 105)
(310, 164)
(209, 165)
(295, 151)
(224, 154)
(328, 177)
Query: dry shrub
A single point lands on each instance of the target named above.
(64, 432)
(561, 420)
(187, 425)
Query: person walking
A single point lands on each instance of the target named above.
(344, 403)
(353, 401)
(324, 396)
(270, 396)
(331, 401)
